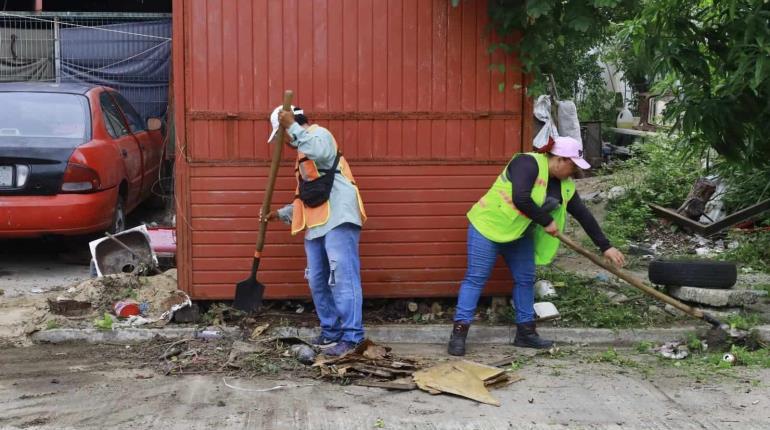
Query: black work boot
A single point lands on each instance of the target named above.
(457, 340)
(527, 337)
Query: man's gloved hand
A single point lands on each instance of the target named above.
(285, 118)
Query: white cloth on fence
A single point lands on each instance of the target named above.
(568, 121)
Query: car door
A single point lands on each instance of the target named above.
(128, 146)
(151, 145)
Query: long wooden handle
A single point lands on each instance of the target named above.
(697, 313)
(288, 95)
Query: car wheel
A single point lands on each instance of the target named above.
(119, 218)
(693, 273)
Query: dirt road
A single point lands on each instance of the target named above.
(97, 387)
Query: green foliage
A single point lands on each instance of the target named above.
(644, 346)
(657, 173)
(694, 343)
(744, 321)
(104, 323)
(753, 250)
(555, 36)
(52, 324)
(713, 57)
(611, 356)
(745, 185)
(581, 305)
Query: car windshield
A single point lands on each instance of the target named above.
(44, 115)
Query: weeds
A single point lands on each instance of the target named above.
(611, 356)
(656, 173)
(220, 313)
(744, 321)
(644, 347)
(753, 251)
(580, 304)
(52, 324)
(104, 323)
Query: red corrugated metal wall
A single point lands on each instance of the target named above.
(406, 88)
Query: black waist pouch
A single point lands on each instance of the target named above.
(316, 192)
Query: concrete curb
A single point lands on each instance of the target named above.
(122, 336)
(433, 333)
(436, 333)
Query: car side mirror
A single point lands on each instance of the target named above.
(154, 124)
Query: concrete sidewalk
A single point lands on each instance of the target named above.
(406, 334)
(91, 387)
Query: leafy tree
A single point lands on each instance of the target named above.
(714, 57)
(556, 36)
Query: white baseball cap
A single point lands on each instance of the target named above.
(274, 120)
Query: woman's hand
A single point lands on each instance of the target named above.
(615, 257)
(551, 228)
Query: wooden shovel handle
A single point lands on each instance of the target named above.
(635, 282)
(275, 162)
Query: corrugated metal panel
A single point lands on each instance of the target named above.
(413, 244)
(405, 87)
(393, 79)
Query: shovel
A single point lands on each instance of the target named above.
(719, 329)
(249, 292)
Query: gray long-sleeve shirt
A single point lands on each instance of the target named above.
(318, 145)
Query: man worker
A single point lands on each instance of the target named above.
(328, 208)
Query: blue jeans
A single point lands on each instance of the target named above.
(334, 275)
(519, 255)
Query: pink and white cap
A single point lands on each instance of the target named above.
(567, 147)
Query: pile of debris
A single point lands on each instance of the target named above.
(367, 360)
(153, 299)
(373, 365)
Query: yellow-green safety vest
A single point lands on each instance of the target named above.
(497, 218)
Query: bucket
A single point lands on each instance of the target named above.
(126, 308)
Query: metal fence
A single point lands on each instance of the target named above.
(128, 52)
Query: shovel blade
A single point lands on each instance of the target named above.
(248, 295)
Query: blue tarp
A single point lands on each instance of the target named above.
(133, 58)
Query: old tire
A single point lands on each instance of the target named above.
(693, 273)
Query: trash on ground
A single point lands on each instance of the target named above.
(303, 353)
(367, 360)
(545, 311)
(673, 350)
(155, 297)
(69, 308)
(728, 358)
(126, 252)
(714, 227)
(258, 331)
(544, 289)
(464, 378)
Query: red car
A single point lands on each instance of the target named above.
(74, 159)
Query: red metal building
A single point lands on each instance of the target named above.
(406, 88)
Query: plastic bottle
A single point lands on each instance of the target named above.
(625, 119)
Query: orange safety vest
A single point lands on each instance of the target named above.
(307, 217)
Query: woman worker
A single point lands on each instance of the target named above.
(518, 218)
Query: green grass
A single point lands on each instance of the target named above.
(753, 251)
(581, 305)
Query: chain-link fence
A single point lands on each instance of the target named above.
(128, 52)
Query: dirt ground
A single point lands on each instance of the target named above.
(85, 387)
